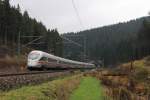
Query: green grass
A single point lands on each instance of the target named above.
(25, 93)
(45, 91)
(89, 89)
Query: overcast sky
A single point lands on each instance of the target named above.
(60, 14)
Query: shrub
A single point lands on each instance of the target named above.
(141, 74)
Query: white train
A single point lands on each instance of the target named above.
(42, 60)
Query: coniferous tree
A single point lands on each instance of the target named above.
(114, 43)
(13, 22)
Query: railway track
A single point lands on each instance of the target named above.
(28, 73)
(114, 74)
(15, 80)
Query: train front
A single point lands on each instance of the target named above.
(33, 60)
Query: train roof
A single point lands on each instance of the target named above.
(59, 58)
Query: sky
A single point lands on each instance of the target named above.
(62, 15)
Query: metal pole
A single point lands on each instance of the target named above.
(84, 48)
(19, 48)
(31, 42)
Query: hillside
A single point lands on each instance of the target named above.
(20, 32)
(113, 44)
(126, 82)
(17, 27)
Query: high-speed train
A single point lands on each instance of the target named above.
(42, 60)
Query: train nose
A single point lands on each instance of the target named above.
(32, 63)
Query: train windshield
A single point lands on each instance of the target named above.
(34, 56)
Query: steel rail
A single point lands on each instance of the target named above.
(29, 73)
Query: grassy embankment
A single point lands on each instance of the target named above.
(133, 85)
(55, 90)
(10, 62)
(70, 88)
(89, 89)
(13, 64)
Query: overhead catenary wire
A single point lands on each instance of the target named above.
(77, 13)
(81, 28)
(81, 24)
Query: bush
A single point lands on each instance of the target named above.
(141, 74)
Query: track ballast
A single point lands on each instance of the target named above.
(16, 80)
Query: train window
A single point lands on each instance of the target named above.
(34, 56)
(43, 59)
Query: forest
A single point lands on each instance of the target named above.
(112, 44)
(13, 23)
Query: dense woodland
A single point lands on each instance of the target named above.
(13, 23)
(114, 43)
